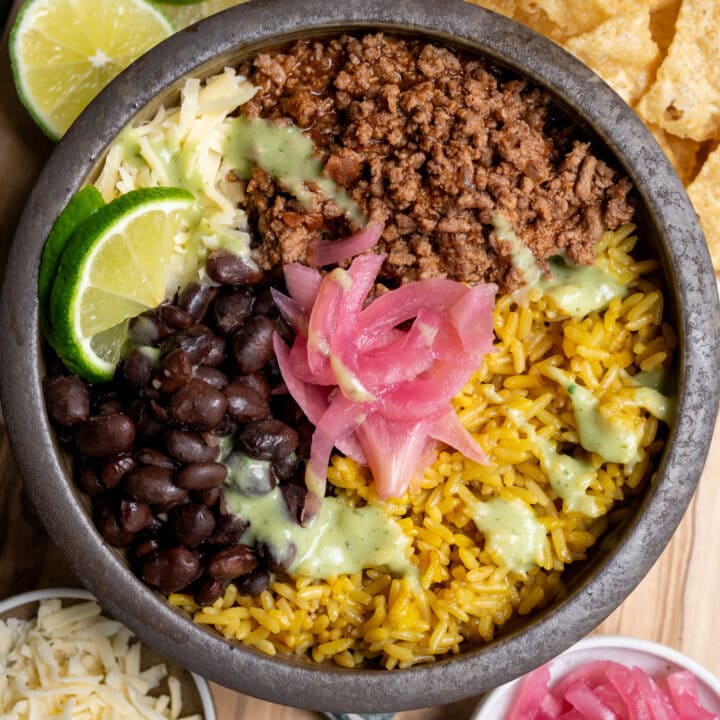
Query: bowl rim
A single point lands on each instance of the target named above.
(609, 642)
(67, 593)
(688, 272)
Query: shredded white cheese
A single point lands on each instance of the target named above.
(73, 663)
(183, 147)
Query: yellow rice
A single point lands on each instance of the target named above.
(463, 595)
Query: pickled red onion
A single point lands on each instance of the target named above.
(606, 690)
(378, 393)
(329, 252)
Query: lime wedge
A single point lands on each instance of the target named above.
(117, 264)
(184, 13)
(81, 206)
(63, 52)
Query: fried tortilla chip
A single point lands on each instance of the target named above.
(685, 97)
(662, 24)
(574, 17)
(704, 193)
(682, 153)
(504, 7)
(622, 52)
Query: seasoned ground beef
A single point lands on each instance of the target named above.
(433, 143)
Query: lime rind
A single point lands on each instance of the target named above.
(80, 207)
(94, 357)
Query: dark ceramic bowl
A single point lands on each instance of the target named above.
(616, 565)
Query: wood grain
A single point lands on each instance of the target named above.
(676, 604)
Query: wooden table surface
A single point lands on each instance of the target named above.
(676, 604)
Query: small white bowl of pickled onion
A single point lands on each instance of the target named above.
(609, 678)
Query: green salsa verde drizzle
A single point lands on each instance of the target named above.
(576, 290)
(342, 539)
(287, 154)
(513, 535)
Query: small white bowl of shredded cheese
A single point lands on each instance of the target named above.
(61, 657)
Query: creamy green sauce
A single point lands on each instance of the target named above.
(578, 290)
(287, 154)
(569, 477)
(521, 257)
(513, 535)
(608, 437)
(341, 539)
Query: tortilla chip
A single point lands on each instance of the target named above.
(574, 17)
(504, 7)
(662, 24)
(704, 193)
(685, 98)
(682, 153)
(622, 52)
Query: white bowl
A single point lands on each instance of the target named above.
(652, 657)
(11, 607)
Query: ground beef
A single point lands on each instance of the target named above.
(433, 143)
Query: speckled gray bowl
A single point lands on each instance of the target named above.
(616, 565)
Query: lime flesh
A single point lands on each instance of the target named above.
(63, 52)
(116, 265)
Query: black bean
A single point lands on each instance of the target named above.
(268, 439)
(105, 435)
(145, 548)
(284, 330)
(116, 468)
(218, 350)
(109, 406)
(250, 476)
(68, 400)
(195, 300)
(171, 570)
(198, 405)
(134, 515)
(294, 497)
(153, 485)
(265, 304)
(228, 269)
(253, 583)
(224, 428)
(228, 530)
(89, 482)
(231, 309)
(175, 370)
(285, 408)
(144, 418)
(305, 430)
(159, 411)
(208, 498)
(277, 559)
(154, 325)
(209, 590)
(285, 467)
(192, 524)
(231, 562)
(196, 341)
(244, 403)
(137, 368)
(252, 345)
(151, 456)
(202, 476)
(258, 382)
(189, 447)
(212, 376)
(112, 532)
